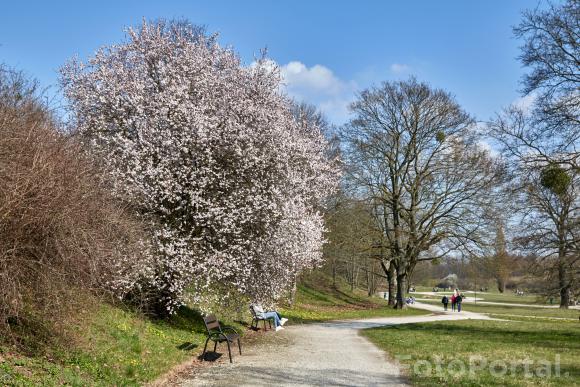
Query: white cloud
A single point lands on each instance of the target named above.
(526, 102)
(399, 68)
(317, 77)
(319, 86)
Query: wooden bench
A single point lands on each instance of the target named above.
(219, 334)
(256, 319)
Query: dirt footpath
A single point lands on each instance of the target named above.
(325, 354)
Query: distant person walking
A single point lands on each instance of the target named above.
(458, 300)
(453, 300)
(445, 301)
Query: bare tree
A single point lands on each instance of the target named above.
(541, 144)
(351, 234)
(412, 150)
(551, 49)
(545, 184)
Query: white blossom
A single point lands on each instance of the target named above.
(209, 151)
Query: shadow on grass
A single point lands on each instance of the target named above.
(336, 298)
(210, 356)
(315, 294)
(352, 300)
(187, 346)
(186, 319)
(31, 335)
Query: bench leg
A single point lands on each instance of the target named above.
(264, 321)
(215, 347)
(204, 349)
(240, 346)
(229, 351)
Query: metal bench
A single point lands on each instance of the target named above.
(256, 319)
(219, 334)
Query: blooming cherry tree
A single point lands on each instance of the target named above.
(209, 151)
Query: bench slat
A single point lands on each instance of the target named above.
(211, 322)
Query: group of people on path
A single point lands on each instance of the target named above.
(456, 300)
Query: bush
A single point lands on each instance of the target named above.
(59, 227)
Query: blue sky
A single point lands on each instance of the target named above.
(327, 49)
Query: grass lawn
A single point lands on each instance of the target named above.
(511, 297)
(112, 347)
(501, 310)
(448, 346)
(318, 300)
(495, 297)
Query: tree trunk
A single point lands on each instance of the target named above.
(565, 298)
(390, 273)
(401, 291)
(391, 277)
(500, 285)
(370, 279)
(293, 291)
(564, 288)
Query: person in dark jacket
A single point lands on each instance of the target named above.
(458, 301)
(445, 302)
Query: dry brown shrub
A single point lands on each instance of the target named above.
(60, 229)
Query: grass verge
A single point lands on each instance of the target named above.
(500, 310)
(440, 353)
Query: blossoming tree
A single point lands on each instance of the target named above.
(209, 151)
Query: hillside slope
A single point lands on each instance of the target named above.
(108, 345)
(317, 299)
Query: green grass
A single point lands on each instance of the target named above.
(108, 345)
(318, 300)
(451, 342)
(501, 310)
(523, 311)
(114, 347)
(495, 297)
(511, 297)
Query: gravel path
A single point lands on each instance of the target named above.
(325, 354)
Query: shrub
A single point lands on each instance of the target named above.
(59, 227)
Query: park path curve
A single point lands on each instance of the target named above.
(322, 354)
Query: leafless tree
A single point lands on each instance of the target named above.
(412, 150)
(545, 185)
(551, 49)
(351, 235)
